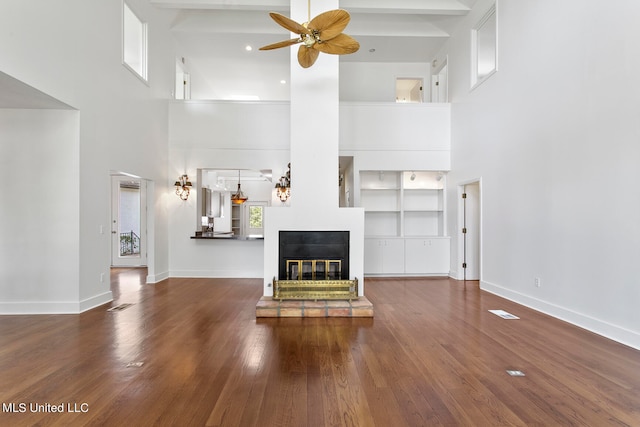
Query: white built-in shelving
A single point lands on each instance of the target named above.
(236, 219)
(405, 222)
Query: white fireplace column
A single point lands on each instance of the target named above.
(314, 158)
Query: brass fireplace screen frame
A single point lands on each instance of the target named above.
(314, 279)
(314, 269)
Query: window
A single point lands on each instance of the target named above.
(484, 48)
(134, 46)
(255, 216)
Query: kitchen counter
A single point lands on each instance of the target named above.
(224, 236)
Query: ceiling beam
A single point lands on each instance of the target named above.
(404, 7)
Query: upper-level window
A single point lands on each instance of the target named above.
(484, 48)
(134, 46)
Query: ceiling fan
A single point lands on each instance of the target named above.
(320, 34)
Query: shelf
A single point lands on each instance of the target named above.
(380, 200)
(403, 203)
(405, 222)
(379, 180)
(382, 223)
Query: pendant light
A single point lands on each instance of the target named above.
(239, 198)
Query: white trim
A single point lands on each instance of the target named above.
(54, 307)
(597, 326)
(144, 75)
(155, 278)
(95, 301)
(218, 274)
(475, 79)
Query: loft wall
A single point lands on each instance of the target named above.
(359, 81)
(553, 135)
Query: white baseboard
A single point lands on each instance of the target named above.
(597, 326)
(218, 274)
(157, 277)
(95, 301)
(55, 307)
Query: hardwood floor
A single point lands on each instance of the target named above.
(432, 355)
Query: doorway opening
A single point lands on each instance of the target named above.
(128, 222)
(409, 89)
(439, 82)
(182, 88)
(470, 236)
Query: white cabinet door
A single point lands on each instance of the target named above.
(383, 256)
(393, 256)
(427, 256)
(372, 256)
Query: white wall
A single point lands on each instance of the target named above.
(376, 81)
(220, 135)
(65, 52)
(255, 135)
(39, 263)
(554, 137)
(359, 81)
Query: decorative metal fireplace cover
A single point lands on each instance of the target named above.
(315, 289)
(314, 265)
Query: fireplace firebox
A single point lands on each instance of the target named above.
(314, 245)
(314, 265)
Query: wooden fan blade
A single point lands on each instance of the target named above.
(288, 23)
(342, 44)
(283, 43)
(307, 56)
(330, 23)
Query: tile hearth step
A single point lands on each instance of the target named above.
(267, 307)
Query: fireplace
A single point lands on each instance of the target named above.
(314, 265)
(306, 255)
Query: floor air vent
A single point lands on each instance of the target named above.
(504, 314)
(120, 307)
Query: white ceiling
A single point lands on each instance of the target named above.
(212, 35)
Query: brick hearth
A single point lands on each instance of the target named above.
(267, 307)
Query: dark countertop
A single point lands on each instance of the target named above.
(223, 236)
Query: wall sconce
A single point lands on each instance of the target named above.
(283, 185)
(182, 187)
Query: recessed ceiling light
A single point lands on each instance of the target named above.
(372, 50)
(248, 48)
(284, 82)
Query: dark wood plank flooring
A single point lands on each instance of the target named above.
(432, 356)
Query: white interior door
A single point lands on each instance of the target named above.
(471, 245)
(443, 85)
(128, 222)
(440, 85)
